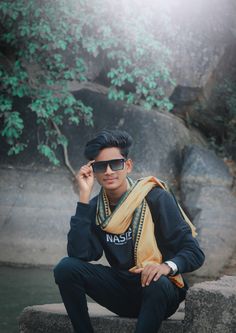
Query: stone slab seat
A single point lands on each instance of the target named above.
(52, 318)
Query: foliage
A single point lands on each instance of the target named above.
(226, 101)
(45, 46)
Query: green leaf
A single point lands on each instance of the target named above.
(75, 120)
(5, 104)
(147, 106)
(16, 149)
(49, 153)
(62, 140)
(58, 119)
(61, 44)
(69, 111)
(13, 126)
(69, 75)
(32, 48)
(69, 100)
(130, 98)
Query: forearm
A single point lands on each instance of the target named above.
(84, 196)
(174, 234)
(82, 242)
(190, 257)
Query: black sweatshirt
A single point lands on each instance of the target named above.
(87, 241)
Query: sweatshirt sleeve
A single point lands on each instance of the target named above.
(175, 234)
(82, 240)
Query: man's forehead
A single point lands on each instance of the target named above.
(109, 153)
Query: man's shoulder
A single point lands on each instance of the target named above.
(155, 194)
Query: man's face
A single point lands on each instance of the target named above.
(113, 180)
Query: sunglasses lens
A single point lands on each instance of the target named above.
(99, 167)
(115, 165)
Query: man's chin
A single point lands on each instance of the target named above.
(110, 185)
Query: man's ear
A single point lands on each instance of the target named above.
(129, 165)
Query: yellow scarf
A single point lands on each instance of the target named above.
(134, 210)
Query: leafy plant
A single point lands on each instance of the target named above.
(44, 48)
(227, 100)
(223, 101)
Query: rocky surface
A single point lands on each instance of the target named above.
(52, 318)
(35, 207)
(210, 307)
(159, 138)
(206, 189)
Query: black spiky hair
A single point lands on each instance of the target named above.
(108, 139)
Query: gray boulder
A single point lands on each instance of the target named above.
(206, 194)
(210, 307)
(201, 166)
(52, 318)
(35, 209)
(159, 138)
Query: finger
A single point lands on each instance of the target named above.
(150, 276)
(85, 171)
(147, 271)
(144, 276)
(90, 163)
(86, 167)
(137, 270)
(157, 276)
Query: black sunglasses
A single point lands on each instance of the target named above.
(115, 165)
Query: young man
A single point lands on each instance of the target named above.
(139, 227)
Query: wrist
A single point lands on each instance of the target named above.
(84, 197)
(173, 267)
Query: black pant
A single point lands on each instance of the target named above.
(119, 291)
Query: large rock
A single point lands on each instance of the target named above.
(206, 105)
(35, 210)
(206, 193)
(201, 166)
(158, 137)
(52, 318)
(210, 307)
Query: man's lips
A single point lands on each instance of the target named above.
(109, 179)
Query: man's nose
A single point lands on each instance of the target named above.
(108, 169)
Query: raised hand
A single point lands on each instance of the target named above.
(84, 181)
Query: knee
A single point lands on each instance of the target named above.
(63, 271)
(157, 288)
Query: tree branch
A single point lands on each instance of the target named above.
(65, 151)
